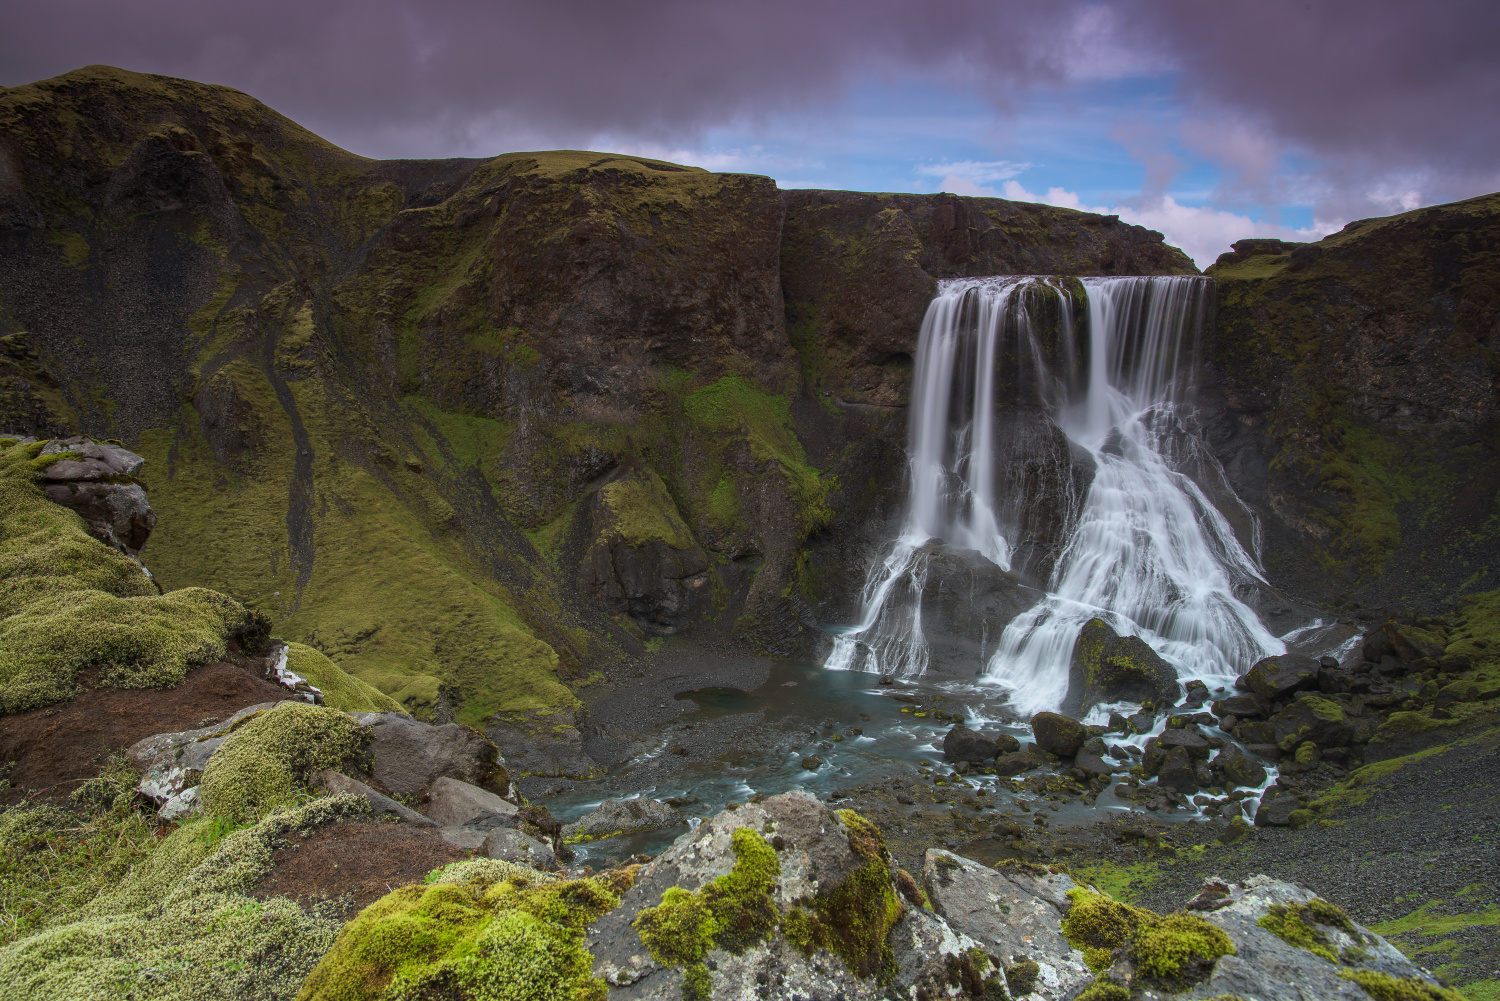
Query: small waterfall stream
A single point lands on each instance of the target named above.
(1144, 547)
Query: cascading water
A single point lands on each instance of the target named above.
(1146, 549)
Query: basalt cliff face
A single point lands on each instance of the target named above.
(480, 429)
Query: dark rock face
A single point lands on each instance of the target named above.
(407, 755)
(1276, 807)
(854, 317)
(1232, 767)
(1107, 667)
(1275, 677)
(966, 600)
(1248, 706)
(1341, 363)
(1061, 735)
(541, 742)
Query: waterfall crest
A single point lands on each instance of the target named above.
(1109, 363)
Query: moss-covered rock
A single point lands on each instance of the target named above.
(340, 689)
(69, 603)
(1108, 667)
(486, 930)
(270, 756)
(1172, 948)
(1314, 719)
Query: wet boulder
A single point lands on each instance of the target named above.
(1274, 677)
(1108, 667)
(1311, 718)
(964, 602)
(511, 845)
(1016, 762)
(615, 817)
(1233, 767)
(1178, 771)
(963, 744)
(1187, 738)
(1058, 734)
(1277, 804)
(1246, 706)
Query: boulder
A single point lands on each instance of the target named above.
(1108, 667)
(172, 763)
(381, 806)
(541, 742)
(96, 481)
(1017, 762)
(1269, 968)
(963, 744)
(1273, 677)
(1246, 706)
(1014, 913)
(623, 816)
(1177, 771)
(815, 859)
(1311, 718)
(1232, 768)
(1058, 734)
(452, 803)
(1412, 643)
(1093, 764)
(1276, 806)
(407, 755)
(1188, 739)
(511, 845)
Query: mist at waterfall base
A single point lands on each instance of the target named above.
(1146, 548)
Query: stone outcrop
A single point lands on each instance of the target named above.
(97, 479)
(407, 755)
(623, 816)
(1108, 667)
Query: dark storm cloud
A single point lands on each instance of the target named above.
(1374, 91)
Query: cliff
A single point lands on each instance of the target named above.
(478, 429)
(1358, 380)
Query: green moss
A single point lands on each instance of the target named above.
(733, 912)
(732, 406)
(642, 511)
(1022, 977)
(854, 918)
(1104, 990)
(1160, 945)
(68, 602)
(493, 935)
(340, 690)
(1298, 926)
(180, 926)
(1383, 987)
(268, 757)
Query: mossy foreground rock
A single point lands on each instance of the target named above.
(1108, 667)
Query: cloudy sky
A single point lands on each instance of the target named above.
(1209, 121)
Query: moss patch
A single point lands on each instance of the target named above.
(1168, 948)
(734, 912)
(854, 918)
(180, 925)
(1299, 926)
(642, 511)
(340, 690)
(267, 758)
(475, 933)
(1383, 987)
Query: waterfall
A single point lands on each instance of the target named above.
(1144, 548)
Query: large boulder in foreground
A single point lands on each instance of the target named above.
(97, 479)
(1058, 734)
(1108, 667)
(409, 755)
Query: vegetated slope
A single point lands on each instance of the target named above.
(1360, 376)
(379, 400)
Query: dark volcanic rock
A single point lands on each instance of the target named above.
(963, 744)
(1276, 807)
(1247, 706)
(1058, 734)
(1107, 667)
(96, 479)
(1273, 677)
(1016, 762)
(965, 601)
(1319, 720)
(1177, 771)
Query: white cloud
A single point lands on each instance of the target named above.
(963, 186)
(1202, 233)
(973, 171)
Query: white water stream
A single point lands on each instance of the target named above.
(1148, 552)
